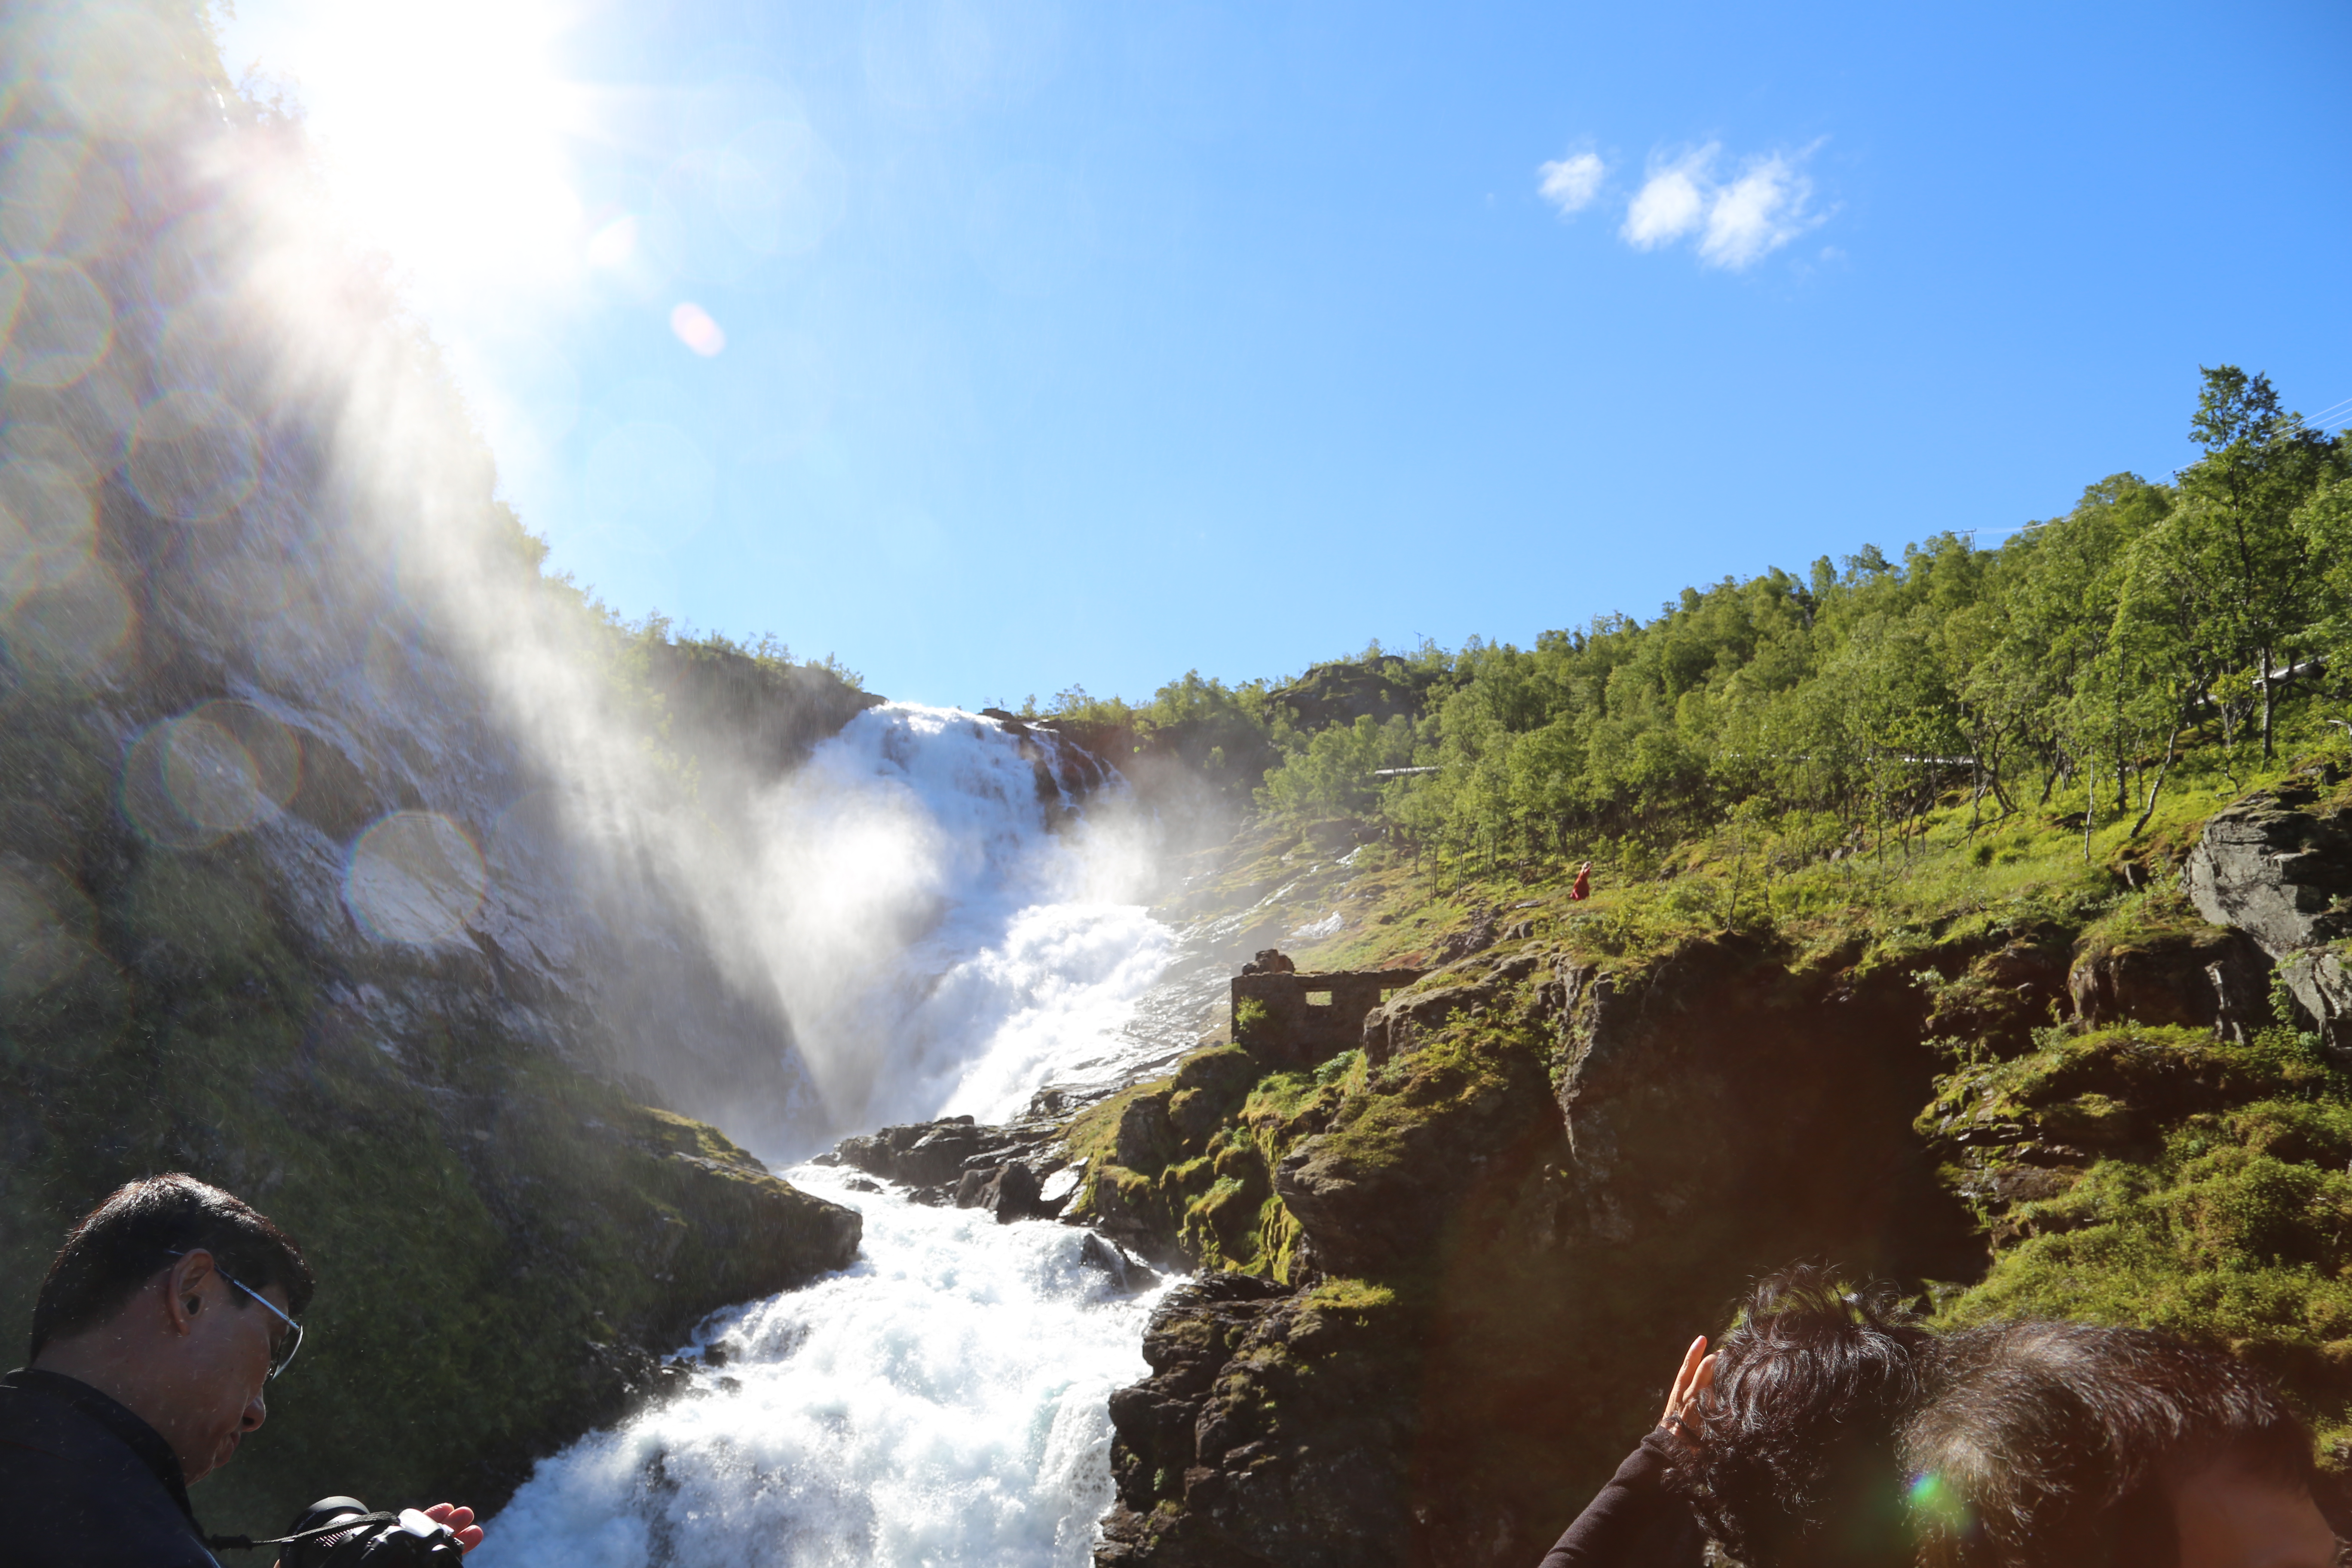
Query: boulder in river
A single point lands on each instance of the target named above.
(961, 1161)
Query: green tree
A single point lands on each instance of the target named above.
(2235, 529)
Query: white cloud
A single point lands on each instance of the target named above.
(1670, 202)
(1738, 221)
(1569, 184)
(1757, 213)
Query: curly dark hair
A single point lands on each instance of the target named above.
(2049, 1442)
(1812, 1382)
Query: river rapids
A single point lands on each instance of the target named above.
(942, 1401)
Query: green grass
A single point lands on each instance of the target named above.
(2212, 1197)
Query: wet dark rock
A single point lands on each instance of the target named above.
(620, 1380)
(1073, 759)
(860, 1185)
(1732, 1101)
(1255, 1441)
(1009, 1192)
(1129, 1274)
(957, 1162)
(921, 1154)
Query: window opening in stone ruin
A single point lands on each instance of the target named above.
(1318, 998)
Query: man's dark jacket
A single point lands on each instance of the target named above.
(85, 1482)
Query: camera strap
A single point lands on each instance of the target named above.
(341, 1525)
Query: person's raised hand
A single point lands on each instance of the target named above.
(460, 1521)
(1686, 1412)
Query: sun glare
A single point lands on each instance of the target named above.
(443, 124)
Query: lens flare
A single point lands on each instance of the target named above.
(415, 877)
(49, 524)
(193, 457)
(148, 800)
(71, 630)
(696, 330)
(273, 751)
(60, 326)
(210, 777)
(34, 440)
(108, 89)
(614, 244)
(190, 782)
(55, 199)
(479, 190)
(1934, 1501)
(94, 415)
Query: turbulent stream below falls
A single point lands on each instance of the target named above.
(942, 1401)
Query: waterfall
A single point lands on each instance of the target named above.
(947, 929)
(951, 930)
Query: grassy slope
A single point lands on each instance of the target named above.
(2223, 1212)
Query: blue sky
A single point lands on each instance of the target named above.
(996, 347)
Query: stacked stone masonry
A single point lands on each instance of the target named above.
(1307, 1017)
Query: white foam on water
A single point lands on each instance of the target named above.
(942, 950)
(942, 1401)
(944, 940)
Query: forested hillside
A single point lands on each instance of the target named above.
(1980, 919)
(2070, 666)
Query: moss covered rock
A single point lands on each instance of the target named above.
(288, 895)
(2163, 1178)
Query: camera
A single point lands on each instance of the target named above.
(341, 1533)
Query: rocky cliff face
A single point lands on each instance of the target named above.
(291, 898)
(2278, 868)
(1268, 1433)
(1549, 1163)
(1539, 1159)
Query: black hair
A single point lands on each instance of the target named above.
(128, 1239)
(1811, 1383)
(2051, 1443)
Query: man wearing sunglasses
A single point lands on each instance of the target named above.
(170, 1307)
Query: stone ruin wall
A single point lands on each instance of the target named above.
(1310, 1015)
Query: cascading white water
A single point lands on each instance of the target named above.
(943, 1401)
(940, 947)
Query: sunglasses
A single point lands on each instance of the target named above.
(282, 1356)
